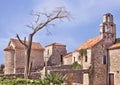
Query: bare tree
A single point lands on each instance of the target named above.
(59, 14)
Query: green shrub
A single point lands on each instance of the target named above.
(76, 66)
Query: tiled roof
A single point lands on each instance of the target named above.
(68, 55)
(90, 43)
(17, 44)
(115, 46)
(56, 44)
(9, 48)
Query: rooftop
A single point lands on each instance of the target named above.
(90, 43)
(14, 43)
(55, 44)
(115, 46)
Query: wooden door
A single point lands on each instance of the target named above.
(111, 79)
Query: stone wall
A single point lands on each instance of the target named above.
(99, 68)
(9, 62)
(15, 60)
(114, 64)
(77, 74)
(67, 61)
(87, 59)
(75, 57)
(54, 54)
(67, 70)
(19, 62)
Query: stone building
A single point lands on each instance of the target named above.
(14, 57)
(53, 54)
(101, 54)
(99, 57)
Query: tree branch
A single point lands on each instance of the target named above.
(23, 43)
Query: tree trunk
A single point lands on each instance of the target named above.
(27, 57)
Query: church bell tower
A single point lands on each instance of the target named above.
(108, 29)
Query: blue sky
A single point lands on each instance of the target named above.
(84, 23)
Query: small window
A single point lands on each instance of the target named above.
(74, 59)
(48, 52)
(61, 58)
(86, 58)
(104, 59)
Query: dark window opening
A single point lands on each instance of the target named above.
(61, 58)
(86, 58)
(74, 59)
(111, 79)
(104, 59)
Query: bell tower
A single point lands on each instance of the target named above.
(108, 29)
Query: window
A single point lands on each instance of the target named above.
(74, 59)
(104, 59)
(61, 58)
(86, 58)
(105, 28)
(48, 52)
(108, 18)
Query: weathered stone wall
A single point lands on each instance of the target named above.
(15, 60)
(67, 61)
(19, 62)
(85, 79)
(9, 62)
(87, 60)
(114, 64)
(54, 53)
(77, 74)
(75, 57)
(36, 59)
(99, 69)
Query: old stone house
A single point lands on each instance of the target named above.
(99, 57)
(14, 57)
(53, 54)
(102, 55)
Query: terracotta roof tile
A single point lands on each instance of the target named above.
(115, 46)
(17, 44)
(90, 43)
(56, 44)
(68, 55)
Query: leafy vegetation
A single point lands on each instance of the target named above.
(50, 79)
(76, 66)
(91, 70)
(83, 52)
(117, 40)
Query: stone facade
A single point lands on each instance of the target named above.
(99, 57)
(15, 57)
(67, 60)
(114, 65)
(54, 53)
(102, 55)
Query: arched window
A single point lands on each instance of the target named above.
(108, 18)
